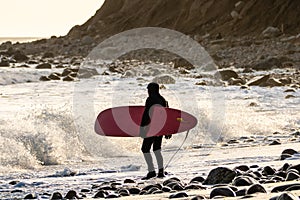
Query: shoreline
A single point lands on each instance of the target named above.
(87, 184)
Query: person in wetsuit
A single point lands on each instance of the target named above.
(154, 98)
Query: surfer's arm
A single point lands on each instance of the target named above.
(146, 117)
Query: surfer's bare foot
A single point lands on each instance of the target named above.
(149, 175)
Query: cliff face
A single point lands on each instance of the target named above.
(194, 17)
(225, 18)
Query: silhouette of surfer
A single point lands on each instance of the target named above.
(154, 98)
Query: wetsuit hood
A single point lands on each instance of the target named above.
(153, 89)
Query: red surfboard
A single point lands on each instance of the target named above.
(125, 121)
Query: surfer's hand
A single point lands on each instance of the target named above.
(168, 136)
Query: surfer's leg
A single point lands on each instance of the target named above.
(158, 155)
(157, 142)
(146, 146)
(159, 159)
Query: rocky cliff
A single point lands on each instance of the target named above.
(228, 17)
(215, 18)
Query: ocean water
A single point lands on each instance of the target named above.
(52, 123)
(18, 39)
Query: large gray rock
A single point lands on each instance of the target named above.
(220, 175)
(164, 79)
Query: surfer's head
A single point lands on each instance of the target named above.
(153, 88)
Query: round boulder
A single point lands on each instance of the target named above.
(226, 74)
(287, 196)
(222, 191)
(68, 78)
(219, 175)
(43, 66)
(54, 76)
(243, 181)
(164, 79)
(256, 188)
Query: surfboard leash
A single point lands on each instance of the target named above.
(186, 135)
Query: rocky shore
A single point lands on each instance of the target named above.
(240, 182)
(239, 62)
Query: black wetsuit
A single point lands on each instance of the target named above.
(154, 99)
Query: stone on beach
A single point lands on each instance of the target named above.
(219, 175)
(256, 188)
(223, 191)
(197, 179)
(258, 80)
(178, 195)
(54, 76)
(44, 78)
(56, 196)
(68, 78)
(4, 63)
(44, 66)
(243, 181)
(225, 75)
(164, 79)
(287, 196)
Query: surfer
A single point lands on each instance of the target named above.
(154, 98)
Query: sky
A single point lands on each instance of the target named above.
(44, 18)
